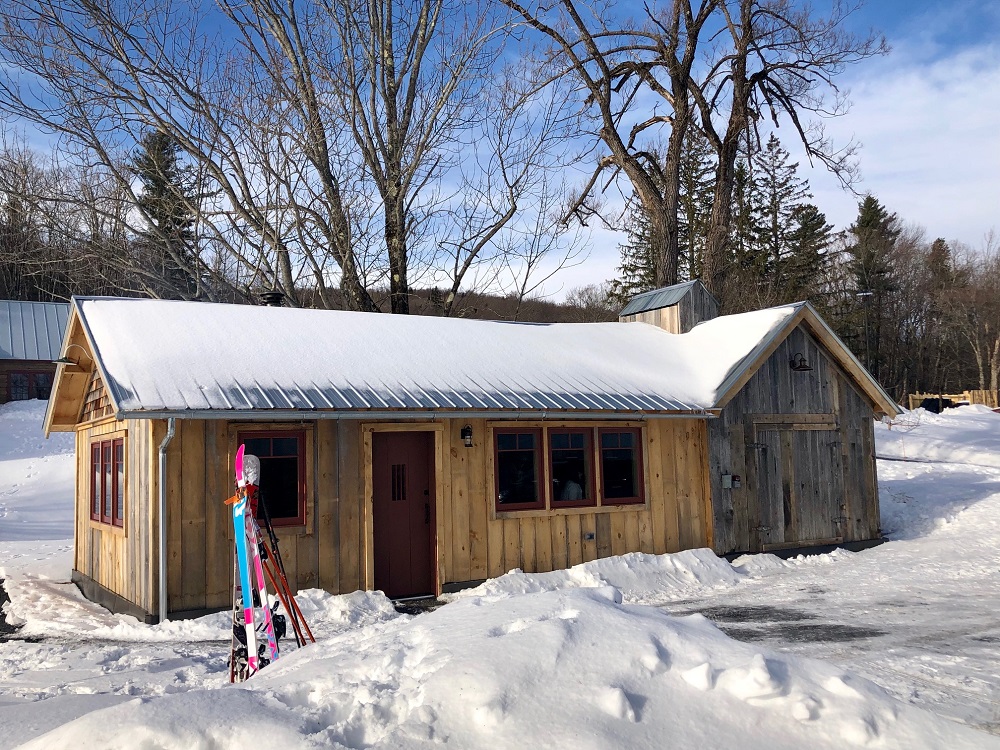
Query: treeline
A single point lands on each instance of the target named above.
(920, 314)
(333, 150)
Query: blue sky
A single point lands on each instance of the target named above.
(928, 118)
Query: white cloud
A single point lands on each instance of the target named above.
(931, 136)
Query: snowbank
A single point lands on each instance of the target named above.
(573, 668)
(640, 577)
(968, 434)
(36, 476)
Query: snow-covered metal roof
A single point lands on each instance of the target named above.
(160, 357)
(31, 330)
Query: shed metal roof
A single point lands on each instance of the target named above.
(657, 298)
(32, 330)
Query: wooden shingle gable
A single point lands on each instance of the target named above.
(77, 387)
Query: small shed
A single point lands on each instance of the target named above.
(30, 336)
(410, 454)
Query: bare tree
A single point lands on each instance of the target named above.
(614, 65)
(774, 59)
(327, 136)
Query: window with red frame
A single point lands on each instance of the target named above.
(621, 466)
(282, 474)
(517, 461)
(107, 481)
(570, 468)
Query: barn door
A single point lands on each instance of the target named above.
(799, 478)
(403, 512)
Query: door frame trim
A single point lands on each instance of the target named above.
(368, 429)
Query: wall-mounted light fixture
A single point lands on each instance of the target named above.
(67, 360)
(467, 435)
(799, 363)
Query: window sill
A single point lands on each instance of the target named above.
(579, 511)
(102, 526)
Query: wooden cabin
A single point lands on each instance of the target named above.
(418, 455)
(30, 336)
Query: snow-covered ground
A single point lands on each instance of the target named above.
(896, 646)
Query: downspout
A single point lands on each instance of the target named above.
(163, 518)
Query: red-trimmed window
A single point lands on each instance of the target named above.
(282, 473)
(517, 461)
(621, 465)
(107, 481)
(571, 468)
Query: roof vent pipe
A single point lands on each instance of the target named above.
(171, 424)
(272, 298)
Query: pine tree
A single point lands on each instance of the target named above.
(806, 261)
(870, 257)
(167, 206)
(637, 270)
(779, 193)
(697, 185)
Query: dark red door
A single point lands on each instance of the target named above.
(403, 512)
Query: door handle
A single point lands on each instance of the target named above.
(427, 513)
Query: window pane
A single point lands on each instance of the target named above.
(625, 439)
(526, 441)
(516, 477)
(18, 386)
(106, 488)
(43, 385)
(609, 439)
(279, 487)
(119, 480)
(95, 479)
(260, 447)
(506, 441)
(569, 462)
(284, 446)
(619, 470)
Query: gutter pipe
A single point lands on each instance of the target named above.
(171, 425)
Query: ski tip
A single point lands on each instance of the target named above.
(239, 464)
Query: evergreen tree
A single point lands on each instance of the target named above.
(806, 261)
(779, 193)
(167, 207)
(697, 186)
(637, 270)
(870, 258)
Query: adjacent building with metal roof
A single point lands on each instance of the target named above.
(30, 337)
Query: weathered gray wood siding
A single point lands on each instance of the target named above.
(822, 455)
(697, 305)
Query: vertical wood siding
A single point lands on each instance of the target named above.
(840, 459)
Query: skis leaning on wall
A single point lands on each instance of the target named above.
(254, 641)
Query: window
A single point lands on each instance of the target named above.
(27, 385)
(621, 466)
(570, 468)
(107, 481)
(583, 467)
(282, 474)
(517, 454)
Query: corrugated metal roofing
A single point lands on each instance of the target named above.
(158, 356)
(32, 330)
(657, 298)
